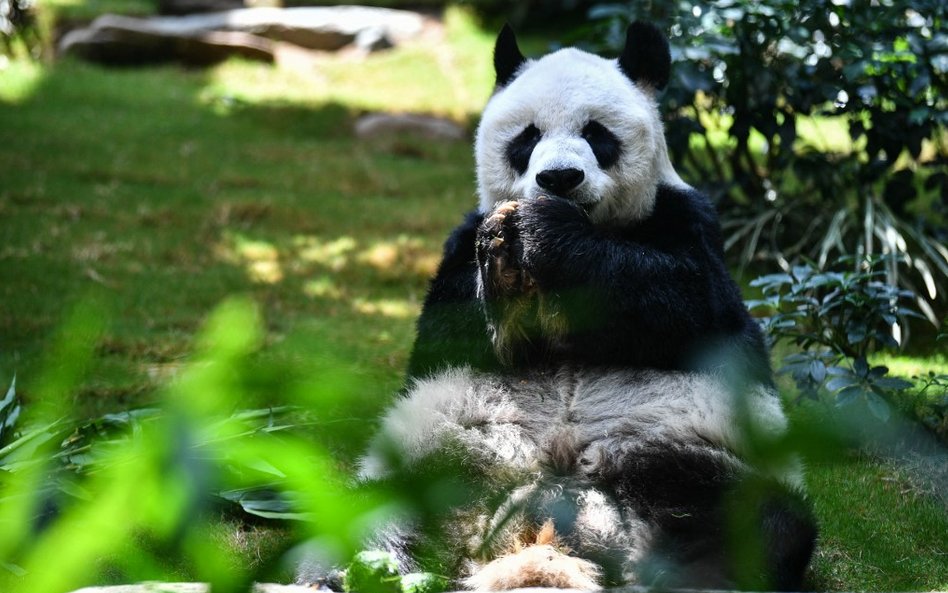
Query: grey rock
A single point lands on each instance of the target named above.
(386, 126)
(372, 39)
(119, 40)
(310, 27)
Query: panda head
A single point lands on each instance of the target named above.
(577, 126)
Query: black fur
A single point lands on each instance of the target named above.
(646, 58)
(507, 57)
(605, 146)
(452, 330)
(655, 294)
(521, 147)
(716, 527)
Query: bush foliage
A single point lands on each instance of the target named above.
(819, 125)
(837, 321)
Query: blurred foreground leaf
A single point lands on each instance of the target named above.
(136, 495)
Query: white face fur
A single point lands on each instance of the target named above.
(578, 111)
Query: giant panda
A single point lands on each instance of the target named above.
(584, 354)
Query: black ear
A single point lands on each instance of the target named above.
(507, 56)
(646, 59)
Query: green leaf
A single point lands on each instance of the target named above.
(373, 572)
(848, 395)
(878, 406)
(860, 366)
(24, 448)
(841, 382)
(424, 582)
(772, 280)
(9, 413)
(856, 335)
(893, 383)
(818, 370)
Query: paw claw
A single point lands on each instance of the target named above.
(499, 240)
(507, 207)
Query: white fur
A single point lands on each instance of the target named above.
(560, 93)
(451, 407)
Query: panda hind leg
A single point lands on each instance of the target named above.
(789, 534)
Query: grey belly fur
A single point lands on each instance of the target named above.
(564, 445)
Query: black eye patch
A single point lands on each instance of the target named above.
(605, 146)
(520, 148)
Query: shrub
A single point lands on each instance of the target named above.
(930, 404)
(818, 125)
(837, 320)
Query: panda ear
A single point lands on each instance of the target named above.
(507, 56)
(646, 59)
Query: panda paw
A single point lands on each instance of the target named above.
(550, 217)
(499, 253)
(546, 226)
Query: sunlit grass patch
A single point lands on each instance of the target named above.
(909, 366)
(19, 79)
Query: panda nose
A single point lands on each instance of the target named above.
(560, 181)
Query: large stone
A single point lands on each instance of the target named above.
(207, 38)
(324, 28)
(119, 40)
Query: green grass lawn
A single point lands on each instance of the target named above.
(163, 191)
(158, 193)
(878, 532)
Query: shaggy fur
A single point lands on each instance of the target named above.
(633, 467)
(584, 355)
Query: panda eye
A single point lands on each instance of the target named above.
(605, 145)
(520, 148)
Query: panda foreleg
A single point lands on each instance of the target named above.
(507, 291)
(498, 254)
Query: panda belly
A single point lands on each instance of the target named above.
(617, 461)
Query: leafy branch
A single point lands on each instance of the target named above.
(837, 320)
